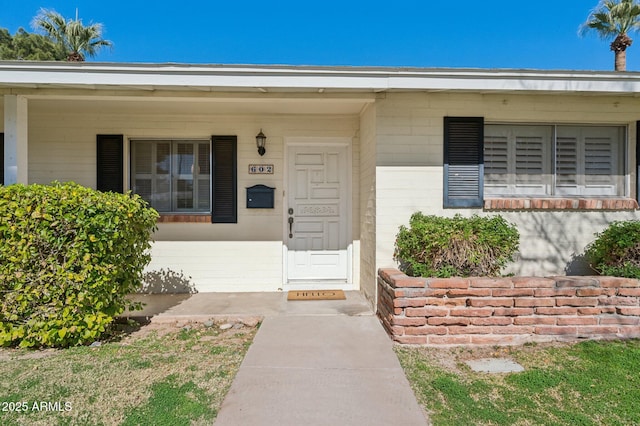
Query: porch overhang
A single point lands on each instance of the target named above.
(263, 79)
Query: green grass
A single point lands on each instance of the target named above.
(590, 383)
(172, 404)
(161, 375)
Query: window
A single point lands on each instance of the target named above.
(173, 176)
(553, 160)
(505, 161)
(188, 176)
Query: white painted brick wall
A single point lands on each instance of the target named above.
(409, 175)
(220, 257)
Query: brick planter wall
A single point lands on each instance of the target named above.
(505, 311)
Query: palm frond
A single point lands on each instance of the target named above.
(77, 39)
(611, 18)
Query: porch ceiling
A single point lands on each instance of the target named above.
(188, 106)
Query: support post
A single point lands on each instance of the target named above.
(15, 140)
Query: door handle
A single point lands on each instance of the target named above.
(290, 227)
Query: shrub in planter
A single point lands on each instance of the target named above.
(616, 250)
(443, 247)
(68, 257)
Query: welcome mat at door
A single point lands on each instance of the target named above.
(316, 295)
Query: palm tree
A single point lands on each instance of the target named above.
(76, 39)
(615, 19)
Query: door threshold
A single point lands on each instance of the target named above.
(319, 285)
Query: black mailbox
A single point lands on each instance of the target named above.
(260, 197)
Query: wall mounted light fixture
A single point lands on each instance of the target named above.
(261, 141)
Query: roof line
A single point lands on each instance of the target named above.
(183, 77)
(304, 69)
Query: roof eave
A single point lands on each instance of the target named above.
(97, 76)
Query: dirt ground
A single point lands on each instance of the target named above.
(126, 332)
(452, 358)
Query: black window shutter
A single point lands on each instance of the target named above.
(1, 158)
(463, 161)
(224, 188)
(109, 163)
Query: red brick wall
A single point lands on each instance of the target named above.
(614, 204)
(503, 311)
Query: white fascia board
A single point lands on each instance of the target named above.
(98, 76)
(515, 84)
(188, 77)
(161, 80)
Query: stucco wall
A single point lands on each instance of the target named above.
(409, 175)
(246, 256)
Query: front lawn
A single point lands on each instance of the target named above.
(590, 383)
(160, 375)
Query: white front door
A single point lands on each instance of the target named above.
(317, 217)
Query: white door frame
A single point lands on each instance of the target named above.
(339, 141)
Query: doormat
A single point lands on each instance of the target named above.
(316, 295)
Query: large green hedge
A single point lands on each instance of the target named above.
(435, 246)
(616, 250)
(68, 257)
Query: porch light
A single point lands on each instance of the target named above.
(261, 140)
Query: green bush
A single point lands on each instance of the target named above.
(436, 246)
(68, 257)
(616, 250)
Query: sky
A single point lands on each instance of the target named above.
(525, 34)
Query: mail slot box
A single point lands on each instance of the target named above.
(260, 197)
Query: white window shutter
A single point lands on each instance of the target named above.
(162, 176)
(567, 165)
(496, 164)
(517, 160)
(204, 175)
(496, 156)
(601, 159)
(530, 158)
(142, 171)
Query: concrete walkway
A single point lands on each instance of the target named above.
(311, 363)
(203, 306)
